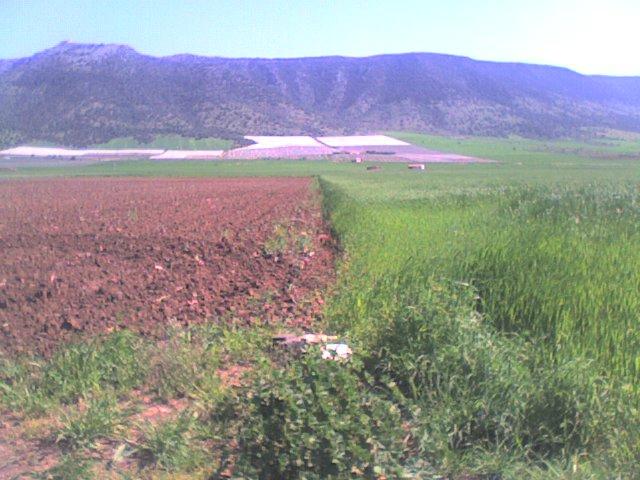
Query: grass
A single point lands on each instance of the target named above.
(78, 371)
(147, 168)
(70, 467)
(88, 394)
(610, 146)
(100, 419)
(586, 308)
(492, 309)
(168, 445)
(507, 244)
(460, 299)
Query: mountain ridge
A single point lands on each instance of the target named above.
(69, 45)
(79, 94)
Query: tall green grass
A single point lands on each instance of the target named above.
(508, 313)
(563, 265)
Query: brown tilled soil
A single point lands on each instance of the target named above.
(86, 256)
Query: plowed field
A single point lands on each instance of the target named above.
(92, 255)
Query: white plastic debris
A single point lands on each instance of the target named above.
(336, 351)
(330, 351)
(288, 339)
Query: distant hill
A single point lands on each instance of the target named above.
(79, 94)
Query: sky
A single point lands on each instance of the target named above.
(589, 36)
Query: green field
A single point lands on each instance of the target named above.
(494, 309)
(611, 145)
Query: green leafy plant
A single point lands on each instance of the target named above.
(317, 419)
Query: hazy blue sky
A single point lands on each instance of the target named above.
(590, 36)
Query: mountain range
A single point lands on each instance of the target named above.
(82, 94)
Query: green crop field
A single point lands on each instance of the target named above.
(494, 310)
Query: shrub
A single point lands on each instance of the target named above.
(319, 419)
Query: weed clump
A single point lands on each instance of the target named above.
(70, 467)
(116, 362)
(287, 238)
(100, 419)
(169, 445)
(319, 419)
(113, 362)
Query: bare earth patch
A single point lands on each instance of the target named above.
(93, 255)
